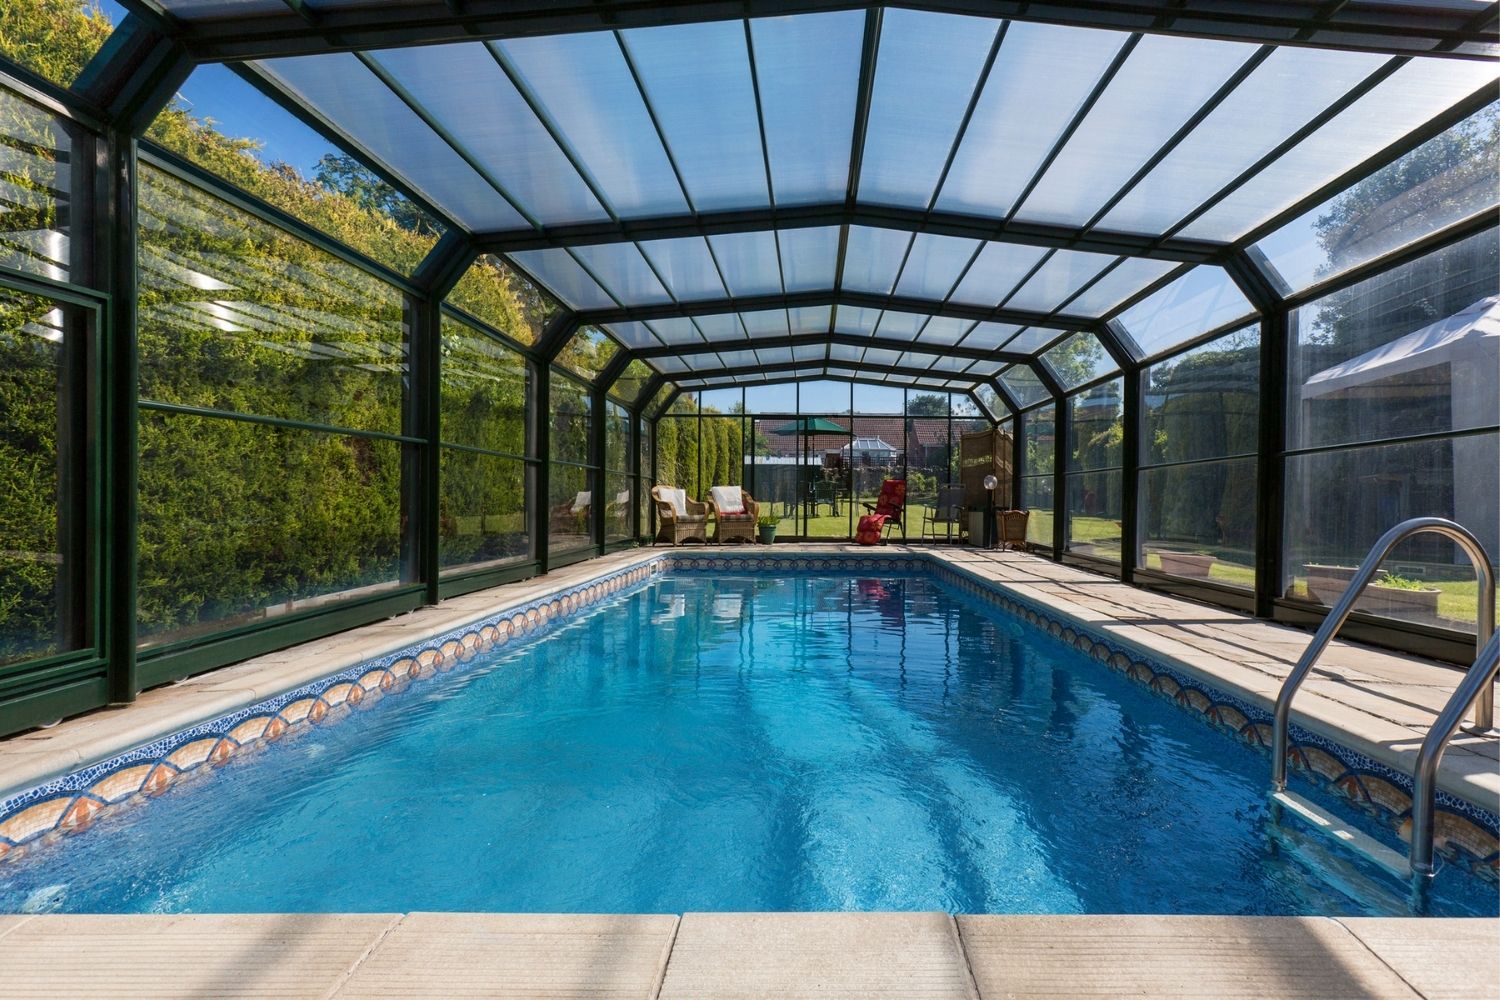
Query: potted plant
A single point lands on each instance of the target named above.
(1400, 597)
(767, 523)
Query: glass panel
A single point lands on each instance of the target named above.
(37, 211)
(237, 315)
(616, 437)
(1033, 339)
(749, 262)
(1116, 285)
(1437, 184)
(930, 457)
(242, 522)
(496, 293)
(1280, 96)
(619, 488)
(564, 278)
(878, 399)
(588, 352)
(1095, 505)
(53, 40)
(38, 609)
(570, 499)
(633, 335)
(1198, 521)
(996, 272)
(807, 69)
(492, 120)
(856, 320)
(765, 323)
(925, 74)
(1412, 96)
(585, 88)
(991, 335)
(485, 390)
(1034, 90)
(1201, 300)
(945, 330)
(722, 450)
(991, 401)
(1096, 428)
(809, 258)
(1079, 359)
(233, 131)
(1039, 443)
(686, 266)
(1024, 385)
(342, 89)
(686, 331)
(933, 265)
(697, 78)
(1163, 82)
(1065, 272)
(1203, 403)
(677, 454)
(810, 319)
(631, 381)
(1339, 503)
(571, 417)
(481, 511)
(901, 325)
(1410, 351)
(1036, 497)
(622, 271)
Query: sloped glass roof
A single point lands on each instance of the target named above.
(889, 192)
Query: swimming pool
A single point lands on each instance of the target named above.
(796, 741)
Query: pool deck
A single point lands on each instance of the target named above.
(740, 956)
(1375, 701)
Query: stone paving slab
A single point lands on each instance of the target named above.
(453, 956)
(203, 957)
(786, 956)
(1292, 958)
(1449, 959)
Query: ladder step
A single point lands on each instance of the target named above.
(1358, 841)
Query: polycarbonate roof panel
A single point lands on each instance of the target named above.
(990, 336)
(809, 258)
(1417, 92)
(583, 86)
(698, 81)
(845, 352)
(1203, 299)
(1163, 81)
(856, 319)
(621, 269)
(634, 335)
(749, 262)
(1280, 96)
(679, 330)
(1064, 273)
(810, 319)
(343, 91)
(896, 325)
(926, 70)
(765, 322)
(945, 330)
(686, 266)
(561, 275)
(1024, 385)
(1032, 339)
(808, 352)
(1037, 84)
(1129, 276)
(880, 356)
(807, 69)
(934, 264)
(996, 272)
(496, 127)
(872, 259)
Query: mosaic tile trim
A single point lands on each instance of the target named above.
(1466, 834)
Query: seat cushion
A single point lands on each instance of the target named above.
(743, 515)
(729, 499)
(692, 518)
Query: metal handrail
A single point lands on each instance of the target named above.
(1482, 695)
(1479, 679)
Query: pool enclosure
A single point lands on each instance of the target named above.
(317, 311)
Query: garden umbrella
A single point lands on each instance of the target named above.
(810, 425)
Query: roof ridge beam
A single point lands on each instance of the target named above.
(820, 339)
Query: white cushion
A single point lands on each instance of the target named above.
(678, 498)
(581, 501)
(728, 499)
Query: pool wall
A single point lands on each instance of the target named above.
(42, 814)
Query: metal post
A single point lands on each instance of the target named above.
(1060, 424)
(1130, 474)
(539, 414)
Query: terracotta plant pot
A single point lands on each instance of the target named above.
(1194, 565)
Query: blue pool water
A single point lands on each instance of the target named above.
(736, 743)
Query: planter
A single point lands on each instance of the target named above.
(1399, 602)
(767, 534)
(1194, 565)
(1325, 584)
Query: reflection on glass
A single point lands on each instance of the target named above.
(570, 504)
(571, 418)
(481, 511)
(619, 503)
(1094, 512)
(1340, 502)
(1412, 350)
(1096, 428)
(1079, 359)
(242, 522)
(484, 391)
(38, 214)
(1203, 403)
(1198, 521)
(1036, 497)
(35, 445)
(497, 294)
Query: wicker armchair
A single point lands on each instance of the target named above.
(678, 528)
(735, 527)
(1012, 528)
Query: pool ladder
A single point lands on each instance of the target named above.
(1477, 689)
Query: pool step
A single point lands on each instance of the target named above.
(1358, 841)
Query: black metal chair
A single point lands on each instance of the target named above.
(947, 511)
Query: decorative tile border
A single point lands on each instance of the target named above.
(1466, 834)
